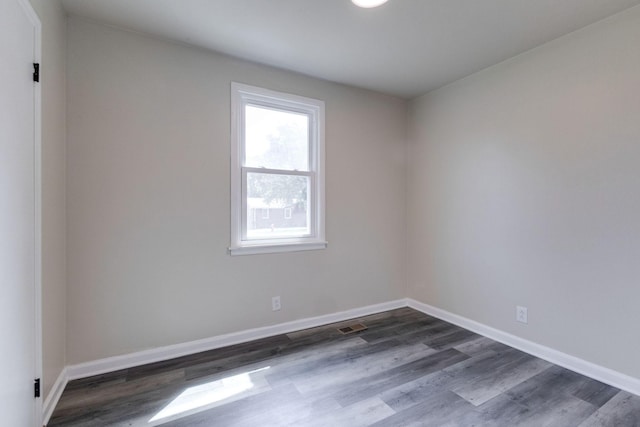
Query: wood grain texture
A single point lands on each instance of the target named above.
(406, 369)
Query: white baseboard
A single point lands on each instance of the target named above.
(125, 361)
(597, 372)
(53, 397)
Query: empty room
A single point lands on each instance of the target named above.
(320, 212)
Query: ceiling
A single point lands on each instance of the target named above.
(404, 48)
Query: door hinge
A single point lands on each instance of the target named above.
(36, 72)
(36, 387)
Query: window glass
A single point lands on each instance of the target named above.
(276, 139)
(277, 194)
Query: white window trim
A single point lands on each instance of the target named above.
(240, 95)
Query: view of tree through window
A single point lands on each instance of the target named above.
(276, 139)
(277, 142)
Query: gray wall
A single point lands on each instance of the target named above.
(524, 188)
(148, 199)
(53, 21)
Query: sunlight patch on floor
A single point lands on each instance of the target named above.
(203, 396)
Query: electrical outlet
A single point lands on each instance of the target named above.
(275, 304)
(521, 314)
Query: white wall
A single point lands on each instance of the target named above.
(52, 82)
(524, 188)
(148, 199)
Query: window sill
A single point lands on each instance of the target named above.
(276, 248)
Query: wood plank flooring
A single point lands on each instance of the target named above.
(406, 369)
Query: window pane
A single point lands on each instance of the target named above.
(276, 139)
(285, 197)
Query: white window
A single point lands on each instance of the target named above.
(277, 163)
(265, 213)
(287, 213)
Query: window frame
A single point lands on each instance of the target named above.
(242, 95)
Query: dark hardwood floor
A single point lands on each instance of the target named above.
(406, 369)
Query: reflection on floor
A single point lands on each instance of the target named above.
(406, 369)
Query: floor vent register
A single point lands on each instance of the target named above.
(356, 327)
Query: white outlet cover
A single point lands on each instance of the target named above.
(522, 314)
